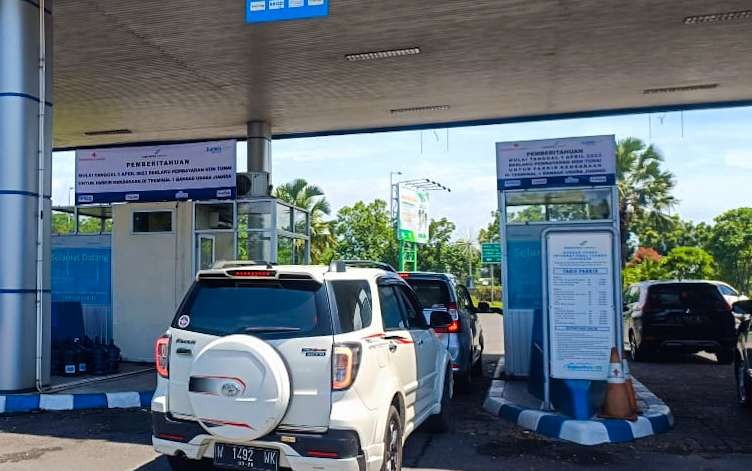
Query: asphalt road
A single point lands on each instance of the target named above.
(712, 432)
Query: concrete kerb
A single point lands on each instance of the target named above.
(655, 417)
(21, 403)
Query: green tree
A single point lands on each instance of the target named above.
(311, 197)
(730, 242)
(63, 223)
(687, 263)
(644, 188)
(669, 233)
(364, 232)
(432, 255)
(491, 232)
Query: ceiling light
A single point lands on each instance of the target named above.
(368, 56)
(687, 88)
(719, 17)
(108, 132)
(420, 109)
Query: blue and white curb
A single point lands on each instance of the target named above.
(655, 417)
(18, 403)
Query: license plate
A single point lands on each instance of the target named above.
(248, 458)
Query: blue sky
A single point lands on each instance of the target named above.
(711, 158)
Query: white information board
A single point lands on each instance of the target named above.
(197, 170)
(581, 303)
(546, 163)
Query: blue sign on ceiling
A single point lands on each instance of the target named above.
(260, 11)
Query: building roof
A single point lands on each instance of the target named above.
(192, 69)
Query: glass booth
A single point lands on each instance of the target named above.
(261, 229)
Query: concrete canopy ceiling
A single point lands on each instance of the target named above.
(192, 69)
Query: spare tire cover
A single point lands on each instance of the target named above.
(239, 387)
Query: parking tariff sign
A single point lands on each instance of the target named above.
(581, 303)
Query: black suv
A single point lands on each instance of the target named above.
(688, 316)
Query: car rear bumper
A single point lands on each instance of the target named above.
(696, 345)
(184, 437)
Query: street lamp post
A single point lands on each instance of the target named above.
(391, 195)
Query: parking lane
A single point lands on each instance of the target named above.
(712, 431)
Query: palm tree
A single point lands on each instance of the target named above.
(310, 197)
(644, 188)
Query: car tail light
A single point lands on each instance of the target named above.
(162, 356)
(252, 273)
(322, 454)
(345, 365)
(404, 275)
(723, 305)
(646, 306)
(456, 325)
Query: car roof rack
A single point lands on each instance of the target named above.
(222, 264)
(366, 264)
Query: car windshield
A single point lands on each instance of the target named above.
(683, 295)
(431, 293)
(268, 309)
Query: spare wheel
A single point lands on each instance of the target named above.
(239, 388)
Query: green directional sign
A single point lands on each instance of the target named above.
(490, 253)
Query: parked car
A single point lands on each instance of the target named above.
(688, 316)
(743, 357)
(464, 336)
(298, 368)
(730, 294)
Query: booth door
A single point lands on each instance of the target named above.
(206, 251)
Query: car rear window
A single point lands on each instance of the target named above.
(683, 295)
(268, 309)
(431, 293)
(353, 302)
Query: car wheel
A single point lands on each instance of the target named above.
(464, 381)
(478, 365)
(725, 357)
(392, 442)
(743, 384)
(439, 423)
(181, 463)
(636, 353)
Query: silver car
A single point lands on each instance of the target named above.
(464, 337)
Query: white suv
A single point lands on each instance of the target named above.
(270, 368)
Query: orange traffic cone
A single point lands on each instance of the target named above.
(616, 403)
(630, 388)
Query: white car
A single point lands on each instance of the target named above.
(270, 368)
(730, 294)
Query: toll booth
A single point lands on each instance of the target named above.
(157, 248)
(559, 224)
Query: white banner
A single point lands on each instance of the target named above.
(198, 171)
(572, 161)
(581, 306)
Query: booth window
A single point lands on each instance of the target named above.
(152, 221)
(214, 216)
(284, 218)
(592, 204)
(255, 215)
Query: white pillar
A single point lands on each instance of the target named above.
(260, 154)
(20, 190)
